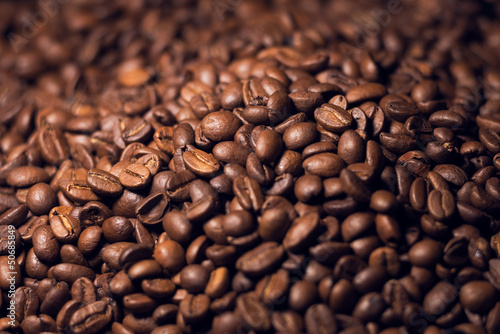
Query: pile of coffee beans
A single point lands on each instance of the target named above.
(237, 166)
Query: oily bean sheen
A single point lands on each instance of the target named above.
(250, 167)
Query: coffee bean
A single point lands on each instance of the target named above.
(41, 198)
(194, 308)
(323, 164)
(69, 272)
(104, 183)
(353, 186)
(135, 176)
(425, 253)
(91, 318)
(333, 118)
(253, 312)
(302, 295)
(26, 176)
(170, 255)
(116, 229)
(220, 125)
(231, 152)
(441, 205)
(64, 227)
(299, 135)
(261, 259)
(52, 144)
(200, 162)
(365, 92)
(150, 210)
(45, 244)
(287, 321)
(319, 319)
(478, 296)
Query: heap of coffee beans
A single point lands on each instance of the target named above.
(237, 166)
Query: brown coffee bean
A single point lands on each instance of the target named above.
(45, 244)
(151, 209)
(65, 228)
(299, 135)
(261, 259)
(69, 272)
(41, 198)
(388, 229)
(365, 92)
(441, 204)
(231, 152)
(104, 183)
(425, 253)
(253, 312)
(200, 162)
(135, 176)
(478, 296)
(319, 319)
(116, 229)
(170, 255)
(220, 125)
(353, 186)
(194, 308)
(91, 318)
(302, 295)
(323, 164)
(333, 118)
(52, 144)
(218, 283)
(26, 176)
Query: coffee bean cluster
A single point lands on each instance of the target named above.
(250, 166)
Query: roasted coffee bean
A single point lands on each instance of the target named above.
(91, 318)
(261, 259)
(194, 308)
(45, 244)
(65, 228)
(333, 118)
(170, 255)
(41, 198)
(135, 176)
(69, 272)
(220, 125)
(299, 135)
(323, 164)
(52, 144)
(253, 312)
(231, 152)
(441, 205)
(365, 92)
(116, 229)
(200, 162)
(425, 253)
(353, 186)
(104, 183)
(319, 319)
(150, 210)
(302, 295)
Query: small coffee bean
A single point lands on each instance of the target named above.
(41, 198)
(104, 183)
(135, 176)
(425, 253)
(261, 259)
(170, 255)
(478, 296)
(333, 118)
